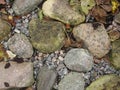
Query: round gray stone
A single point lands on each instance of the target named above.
(72, 81)
(20, 45)
(79, 60)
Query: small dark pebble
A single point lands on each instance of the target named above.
(7, 65)
(6, 84)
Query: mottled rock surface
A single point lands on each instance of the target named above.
(61, 10)
(21, 7)
(115, 54)
(16, 75)
(20, 45)
(87, 5)
(46, 36)
(94, 37)
(5, 28)
(46, 79)
(106, 82)
(79, 60)
(72, 81)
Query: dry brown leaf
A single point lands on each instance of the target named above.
(99, 14)
(98, 2)
(107, 8)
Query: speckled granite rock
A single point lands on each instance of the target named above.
(94, 37)
(20, 45)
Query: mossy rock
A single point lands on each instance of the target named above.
(115, 54)
(5, 28)
(46, 36)
(106, 82)
(62, 11)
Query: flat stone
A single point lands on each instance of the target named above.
(94, 37)
(117, 18)
(62, 11)
(5, 29)
(79, 60)
(106, 82)
(20, 45)
(46, 79)
(72, 81)
(21, 7)
(16, 75)
(115, 54)
(46, 36)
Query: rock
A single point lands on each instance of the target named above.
(5, 28)
(46, 79)
(21, 7)
(106, 82)
(94, 37)
(114, 35)
(16, 75)
(86, 5)
(46, 36)
(72, 81)
(61, 10)
(79, 60)
(20, 45)
(115, 54)
(117, 18)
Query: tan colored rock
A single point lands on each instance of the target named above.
(61, 10)
(94, 37)
(16, 75)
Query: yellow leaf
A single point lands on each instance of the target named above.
(115, 5)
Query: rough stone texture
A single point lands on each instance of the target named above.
(61, 10)
(86, 5)
(46, 36)
(106, 82)
(46, 78)
(16, 75)
(79, 60)
(94, 37)
(72, 81)
(21, 7)
(20, 45)
(117, 18)
(115, 58)
(5, 28)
